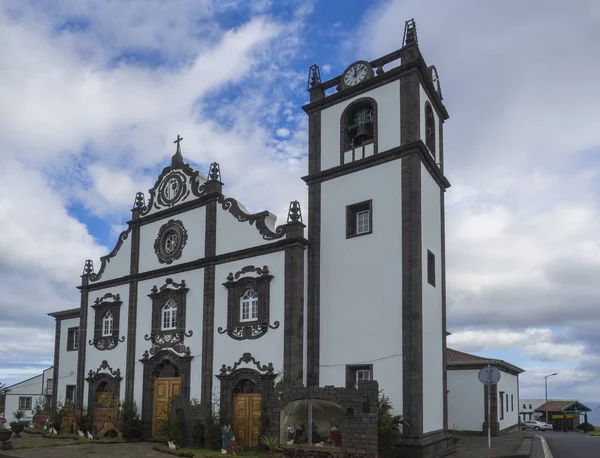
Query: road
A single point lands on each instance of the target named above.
(571, 444)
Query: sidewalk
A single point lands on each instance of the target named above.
(517, 444)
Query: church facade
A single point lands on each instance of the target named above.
(201, 299)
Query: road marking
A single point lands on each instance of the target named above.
(547, 452)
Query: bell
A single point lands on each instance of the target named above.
(362, 133)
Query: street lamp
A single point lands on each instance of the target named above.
(546, 384)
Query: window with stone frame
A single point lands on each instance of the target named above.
(430, 129)
(358, 128)
(107, 311)
(248, 303)
(70, 393)
(358, 373)
(359, 219)
(168, 316)
(72, 339)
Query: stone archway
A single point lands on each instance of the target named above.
(164, 371)
(243, 391)
(104, 389)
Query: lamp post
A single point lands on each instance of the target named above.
(546, 385)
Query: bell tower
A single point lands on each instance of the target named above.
(376, 299)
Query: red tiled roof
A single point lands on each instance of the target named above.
(459, 358)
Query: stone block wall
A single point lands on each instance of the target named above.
(358, 425)
(191, 414)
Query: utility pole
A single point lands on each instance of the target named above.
(546, 384)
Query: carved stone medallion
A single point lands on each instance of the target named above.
(170, 241)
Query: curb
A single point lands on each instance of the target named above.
(547, 452)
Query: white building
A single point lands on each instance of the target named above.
(527, 409)
(467, 396)
(201, 298)
(24, 395)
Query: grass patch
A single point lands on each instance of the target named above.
(594, 433)
(35, 431)
(204, 453)
(78, 441)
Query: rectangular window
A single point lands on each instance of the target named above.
(530, 406)
(359, 219)
(49, 387)
(249, 306)
(70, 395)
(501, 405)
(358, 373)
(512, 406)
(24, 403)
(524, 406)
(430, 268)
(72, 339)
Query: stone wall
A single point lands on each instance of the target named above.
(191, 414)
(358, 425)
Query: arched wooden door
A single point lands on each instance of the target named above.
(167, 385)
(246, 413)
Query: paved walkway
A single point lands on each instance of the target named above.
(122, 450)
(513, 443)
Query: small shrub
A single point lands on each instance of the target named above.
(586, 427)
(212, 431)
(129, 421)
(176, 432)
(388, 426)
(198, 433)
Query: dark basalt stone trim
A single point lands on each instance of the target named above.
(314, 285)
(444, 316)
(314, 143)
(208, 305)
(293, 346)
(267, 248)
(159, 244)
(412, 313)
(113, 381)
(412, 262)
(82, 340)
(415, 147)
(106, 259)
(64, 314)
(132, 314)
(56, 363)
(175, 210)
(417, 66)
(108, 303)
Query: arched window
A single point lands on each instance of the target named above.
(358, 130)
(430, 129)
(107, 324)
(169, 315)
(249, 306)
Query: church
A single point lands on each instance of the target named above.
(200, 299)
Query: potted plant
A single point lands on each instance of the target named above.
(271, 443)
(18, 426)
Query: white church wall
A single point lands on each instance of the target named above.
(508, 384)
(194, 281)
(433, 346)
(266, 349)
(234, 235)
(117, 266)
(116, 357)
(388, 119)
(466, 409)
(356, 274)
(67, 360)
(425, 98)
(193, 221)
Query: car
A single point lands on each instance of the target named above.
(537, 425)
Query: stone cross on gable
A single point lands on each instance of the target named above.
(177, 157)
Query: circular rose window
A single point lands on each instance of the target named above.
(171, 239)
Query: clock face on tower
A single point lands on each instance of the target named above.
(356, 73)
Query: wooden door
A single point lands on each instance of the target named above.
(165, 390)
(246, 419)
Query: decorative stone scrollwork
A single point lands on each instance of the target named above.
(104, 260)
(255, 324)
(104, 366)
(106, 343)
(258, 219)
(247, 358)
(173, 341)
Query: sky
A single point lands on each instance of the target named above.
(93, 93)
